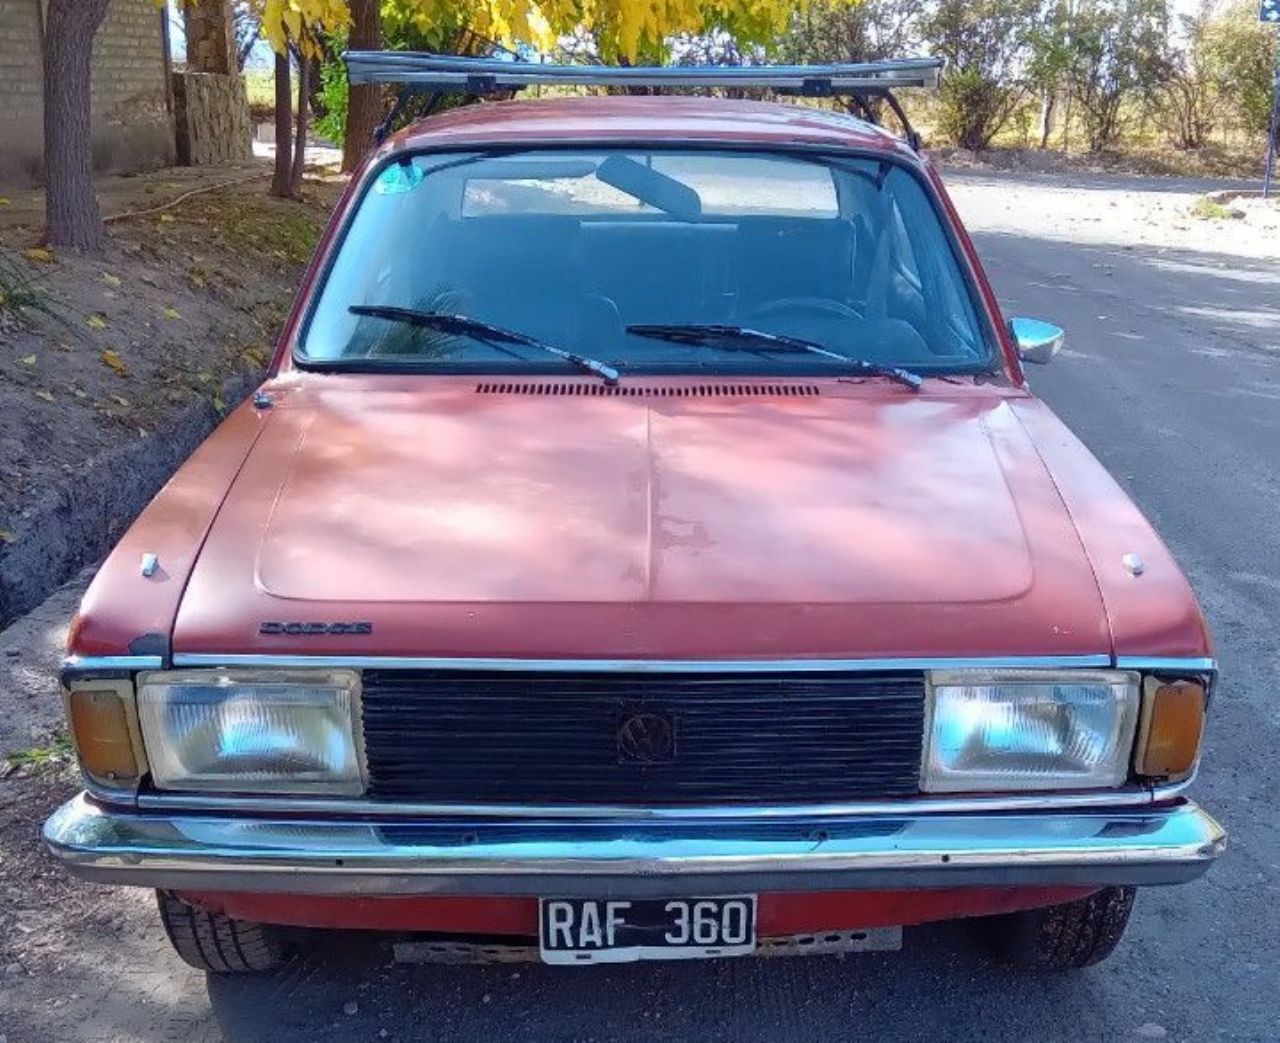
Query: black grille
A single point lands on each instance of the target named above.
(495, 737)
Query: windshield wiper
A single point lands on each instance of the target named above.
(741, 338)
(447, 322)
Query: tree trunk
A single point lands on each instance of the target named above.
(72, 218)
(280, 181)
(1048, 109)
(304, 112)
(364, 103)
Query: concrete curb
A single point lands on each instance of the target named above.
(78, 521)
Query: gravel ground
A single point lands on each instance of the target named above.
(1172, 375)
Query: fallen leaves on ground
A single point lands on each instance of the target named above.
(39, 254)
(96, 321)
(111, 280)
(172, 313)
(28, 360)
(46, 395)
(114, 361)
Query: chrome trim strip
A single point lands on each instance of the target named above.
(224, 803)
(146, 662)
(112, 662)
(667, 666)
(1164, 845)
(1202, 665)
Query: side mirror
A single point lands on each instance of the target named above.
(1036, 341)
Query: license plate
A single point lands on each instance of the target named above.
(599, 930)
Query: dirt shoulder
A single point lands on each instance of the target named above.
(110, 353)
(1212, 161)
(1205, 215)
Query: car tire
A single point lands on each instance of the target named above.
(1064, 937)
(218, 944)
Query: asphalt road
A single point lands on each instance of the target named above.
(1172, 376)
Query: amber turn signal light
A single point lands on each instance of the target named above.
(102, 726)
(1171, 726)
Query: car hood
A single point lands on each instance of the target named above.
(865, 520)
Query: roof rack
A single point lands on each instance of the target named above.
(483, 75)
(419, 72)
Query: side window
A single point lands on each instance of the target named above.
(904, 255)
(934, 273)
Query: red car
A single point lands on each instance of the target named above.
(645, 545)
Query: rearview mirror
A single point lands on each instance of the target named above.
(659, 190)
(1036, 341)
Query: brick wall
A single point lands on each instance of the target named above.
(21, 108)
(132, 127)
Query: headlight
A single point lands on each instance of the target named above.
(252, 731)
(1029, 730)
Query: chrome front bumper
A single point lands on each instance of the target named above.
(1165, 844)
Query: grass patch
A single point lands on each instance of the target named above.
(270, 231)
(1207, 209)
(58, 751)
(22, 296)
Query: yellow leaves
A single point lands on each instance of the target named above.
(635, 30)
(39, 254)
(6, 536)
(111, 280)
(167, 219)
(46, 395)
(96, 321)
(28, 360)
(5, 201)
(112, 360)
(298, 21)
(172, 313)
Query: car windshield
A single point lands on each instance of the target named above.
(540, 261)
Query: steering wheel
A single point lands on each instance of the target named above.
(802, 307)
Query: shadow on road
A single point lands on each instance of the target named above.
(941, 977)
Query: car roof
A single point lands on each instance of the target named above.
(651, 118)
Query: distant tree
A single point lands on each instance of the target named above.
(986, 44)
(1187, 98)
(72, 218)
(1239, 57)
(1118, 56)
(870, 30)
(1049, 58)
(247, 28)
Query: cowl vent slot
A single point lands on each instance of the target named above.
(652, 390)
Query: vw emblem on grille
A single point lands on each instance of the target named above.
(646, 738)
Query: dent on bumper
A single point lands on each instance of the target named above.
(1151, 845)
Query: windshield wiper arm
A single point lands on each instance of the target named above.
(447, 322)
(740, 337)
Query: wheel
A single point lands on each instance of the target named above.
(218, 944)
(1064, 937)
